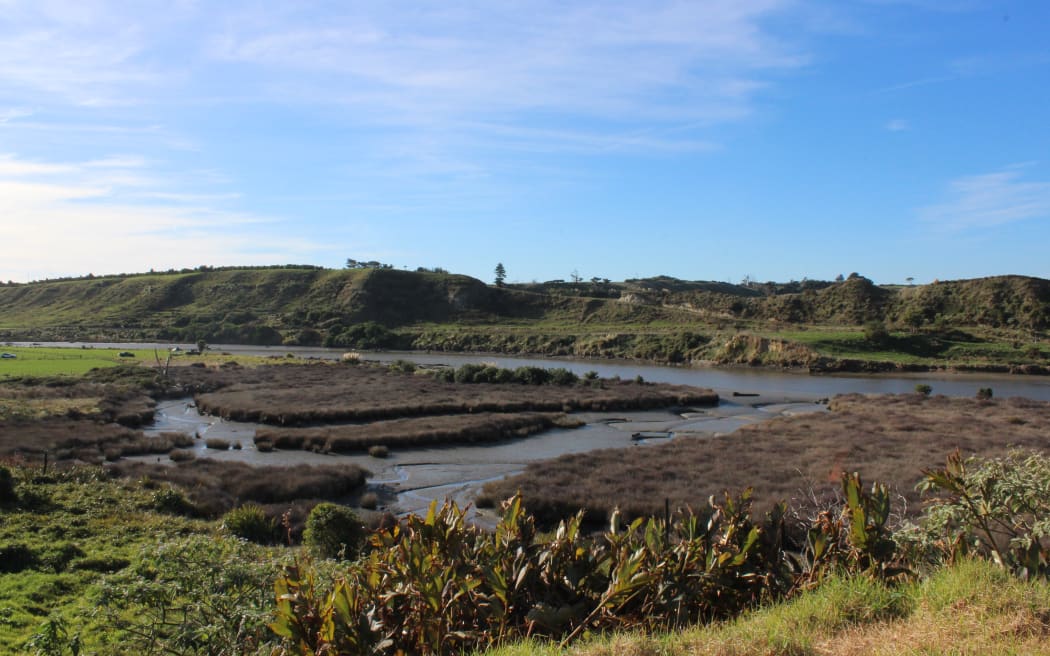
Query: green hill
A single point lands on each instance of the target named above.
(1000, 321)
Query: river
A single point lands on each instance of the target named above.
(409, 479)
(724, 380)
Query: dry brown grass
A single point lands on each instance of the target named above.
(416, 431)
(84, 440)
(216, 486)
(799, 459)
(297, 395)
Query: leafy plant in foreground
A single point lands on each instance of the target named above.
(996, 508)
(193, 596)
(436, 585)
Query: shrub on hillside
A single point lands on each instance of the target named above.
(875, 333)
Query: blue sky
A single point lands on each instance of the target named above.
(777, 139)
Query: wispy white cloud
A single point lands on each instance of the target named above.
(74, 218)
(665, 61)
(898, 125)
(13, 113)
(989, 200)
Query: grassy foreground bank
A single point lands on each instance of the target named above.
(971, 607)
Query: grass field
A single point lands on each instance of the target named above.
(59, 361)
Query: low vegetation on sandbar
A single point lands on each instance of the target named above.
(292, 395)
(414, 432)
(798, 459)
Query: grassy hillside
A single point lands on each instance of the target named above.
(998, 322)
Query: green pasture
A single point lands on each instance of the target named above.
(956, 347)
(59, 361)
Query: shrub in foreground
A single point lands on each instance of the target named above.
(333, 531)
(998, 509)
(436, 584)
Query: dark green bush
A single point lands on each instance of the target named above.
(984, 393)
(334, 531)
(562, 376)
(250, 522)
(923, 389)
(467, 373)
(532, 375)
(875, 333)
(7, 486)
(16, 557)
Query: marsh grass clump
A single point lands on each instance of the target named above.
(217, 443)
(378, 451)
(249, 522)
(169, 499)
(215, 486)
(403, 366)
(181, 455)
(369, 501)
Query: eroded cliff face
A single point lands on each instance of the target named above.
(755, 350)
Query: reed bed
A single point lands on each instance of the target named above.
(797, 459)
(216, 486)
(84, 440)
(304, 395)
(414, 432)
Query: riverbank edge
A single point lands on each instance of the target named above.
(762, 359)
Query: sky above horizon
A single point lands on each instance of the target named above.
(706, 140)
